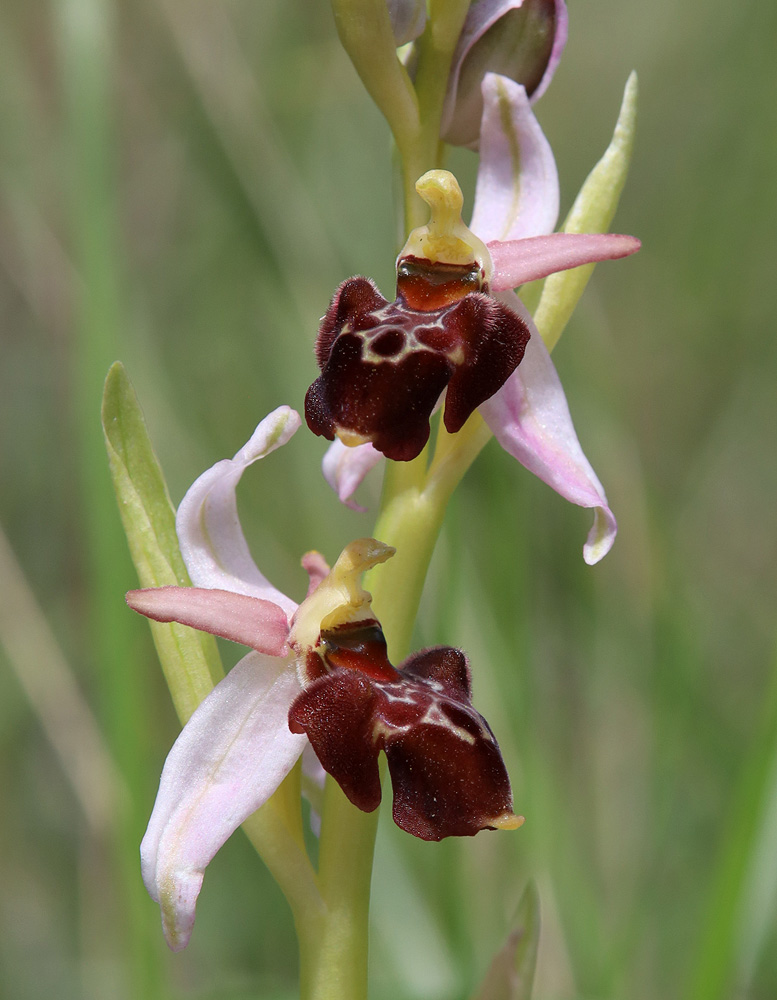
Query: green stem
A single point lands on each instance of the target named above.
(423, 150)
(411, 518)
(334, 942)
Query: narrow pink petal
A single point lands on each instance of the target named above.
(517, 192)
(212, 542)
(229, 759)
(519, 261)
(530, 419)
(344, 468)
(316, 567)
(259, 624)
(562, 28)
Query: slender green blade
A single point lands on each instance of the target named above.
(189, 659)
(592, 212)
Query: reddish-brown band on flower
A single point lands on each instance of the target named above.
(446, 769)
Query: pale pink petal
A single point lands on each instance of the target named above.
(517, 192)
(530, 419)
(212, 542)
(519, 261)
(259, 624)
(229, 759)
(316, 567)
(344, 468)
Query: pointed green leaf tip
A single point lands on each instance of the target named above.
(511, 973)
(592, 212)
(190, 659)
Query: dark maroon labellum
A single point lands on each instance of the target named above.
(384, 365)
(446, 769)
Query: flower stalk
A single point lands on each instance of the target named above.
(334, 949)
(424, 150)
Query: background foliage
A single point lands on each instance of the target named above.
(182, 184)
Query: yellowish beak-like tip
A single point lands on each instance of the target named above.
(507, 821)
(441, 192)
(339, 598)
(351, 439)
(363, 554)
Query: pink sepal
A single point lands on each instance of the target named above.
(559, 42)
(229, 759)
(530, 419)
(518, 261)
(259, 624)
(481, 17)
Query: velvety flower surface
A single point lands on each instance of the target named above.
(320, 668)
(386, 364)
(446, 770)
(515, 211)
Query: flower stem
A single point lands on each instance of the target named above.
(334, 943)
(422, 151)
(411, 517)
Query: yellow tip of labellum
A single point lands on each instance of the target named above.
(351, 439)
(507, 821)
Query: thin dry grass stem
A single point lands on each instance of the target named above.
(49, 683)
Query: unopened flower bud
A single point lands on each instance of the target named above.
(408, 19)
(519, 39)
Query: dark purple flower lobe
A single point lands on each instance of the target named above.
(384, 365)
(446, 769)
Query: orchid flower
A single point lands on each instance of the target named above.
(456, 322)
(317, 674)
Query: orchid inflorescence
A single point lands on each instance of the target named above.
(455, 347)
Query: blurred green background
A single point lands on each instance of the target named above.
(182, 185)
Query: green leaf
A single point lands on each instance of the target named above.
(511, 973)
(190, 659)
(592, 212)
(740, 912)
